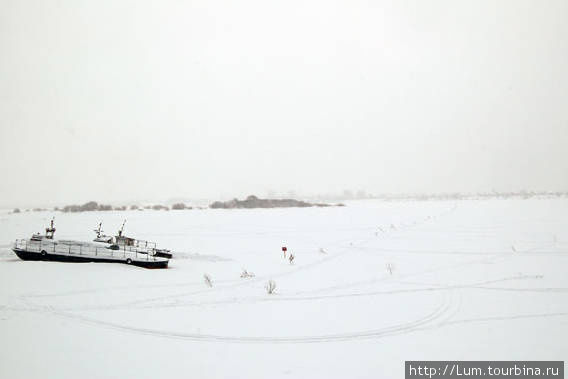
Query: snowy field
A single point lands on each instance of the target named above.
(373, 284)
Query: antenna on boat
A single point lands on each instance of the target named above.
(50, 231)
(99, 229)
(121, 228)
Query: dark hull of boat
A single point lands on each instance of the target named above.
(163, 254)
(32, 256)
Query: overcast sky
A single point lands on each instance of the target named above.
(125, 100)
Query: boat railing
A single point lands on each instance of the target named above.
(131, 242)
(144, 244)
(79, 249)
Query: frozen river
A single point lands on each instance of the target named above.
(373, 284)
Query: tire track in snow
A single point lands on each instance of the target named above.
(439, 318)
(259, 299)
(397, 329)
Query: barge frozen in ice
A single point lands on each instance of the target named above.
(45, 248)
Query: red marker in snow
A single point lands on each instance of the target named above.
(284, 249)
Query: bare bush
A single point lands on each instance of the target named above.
(246, 274)
(208, 280)
(270, 287)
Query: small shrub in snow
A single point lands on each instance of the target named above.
(390, 268)
(291, 259)
(246, 274)
(208, 280)
(270, 287)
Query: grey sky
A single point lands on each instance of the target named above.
(117, 100)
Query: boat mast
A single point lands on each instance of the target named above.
(99, 230)
(121, 228)
(50, 231)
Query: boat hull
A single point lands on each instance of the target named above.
(163, 254)
(44, 256)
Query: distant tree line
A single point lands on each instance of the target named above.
(180, 206)
(87, 207)
(94, 206)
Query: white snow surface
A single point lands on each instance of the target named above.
(373, 284)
